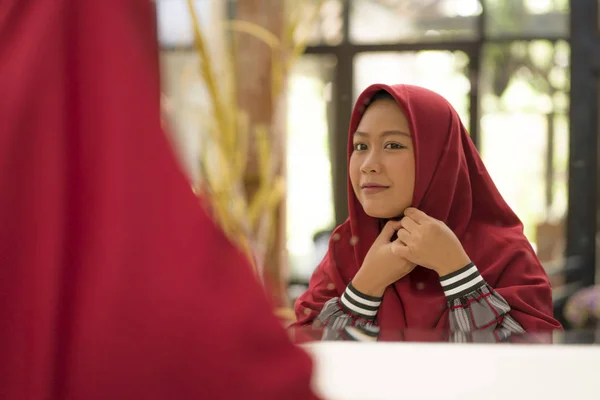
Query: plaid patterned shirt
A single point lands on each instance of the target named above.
(477, 312)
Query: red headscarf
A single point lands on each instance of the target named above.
(452, 185)
(114, 284)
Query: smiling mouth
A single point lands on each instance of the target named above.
(373, 188)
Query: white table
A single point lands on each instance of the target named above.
(440, 371)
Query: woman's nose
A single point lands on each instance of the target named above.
(371, 165)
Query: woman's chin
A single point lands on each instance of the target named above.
(383, 214)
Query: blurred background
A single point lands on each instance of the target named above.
(521, 73)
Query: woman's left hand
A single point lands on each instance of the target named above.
(428, 242)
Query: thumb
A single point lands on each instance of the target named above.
(388, 231)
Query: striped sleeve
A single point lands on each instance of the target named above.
(356, 303)
(461, 282)
(351, 317)
(475, 306)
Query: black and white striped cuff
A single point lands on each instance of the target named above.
(359, 304)
(461, 282)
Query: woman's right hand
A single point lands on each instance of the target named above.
(381, 266)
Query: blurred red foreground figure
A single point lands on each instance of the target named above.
(114, 284)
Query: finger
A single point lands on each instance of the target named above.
(404, 236)
(400, 249)
(388, 231)
(409, 224)
(416, 215)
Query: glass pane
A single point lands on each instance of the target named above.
(322, 26)
(525, 135)
(444, 72)
(527, 17)
(175, 24)
(309, 181)
(379, 21)
(316, 26)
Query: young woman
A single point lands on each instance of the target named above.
(429, 244)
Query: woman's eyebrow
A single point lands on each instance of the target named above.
(384, 133)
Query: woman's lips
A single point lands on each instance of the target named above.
(373, 189)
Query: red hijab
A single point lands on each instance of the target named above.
(114, 284)
(452, 185)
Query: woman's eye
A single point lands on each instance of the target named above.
(360, 147)
(394, 146)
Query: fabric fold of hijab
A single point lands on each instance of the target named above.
(114, 283)
(452, 185)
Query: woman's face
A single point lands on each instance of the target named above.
(382, 164)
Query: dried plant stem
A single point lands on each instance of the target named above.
(249, 223)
